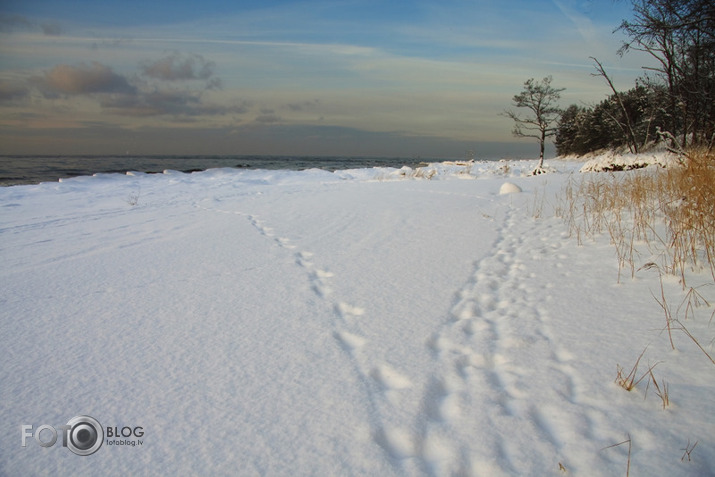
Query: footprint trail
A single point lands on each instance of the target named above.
(383, 383)
(498, 383)
(482, 399)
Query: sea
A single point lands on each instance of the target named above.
(19, 170)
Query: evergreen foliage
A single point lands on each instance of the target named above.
(675, 100)
(587, 129)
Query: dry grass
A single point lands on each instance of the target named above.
(670, 213)
(630, 381)
(628, 441)
(662, 302)
(663, 219)
(681, 327)
(693, 299)
(661, 390)
(688, 450)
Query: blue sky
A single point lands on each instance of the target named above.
(347, 77)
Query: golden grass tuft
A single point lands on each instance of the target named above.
(663, 219)
(669, 211)
(630, 381)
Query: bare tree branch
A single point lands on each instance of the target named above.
(627, 128)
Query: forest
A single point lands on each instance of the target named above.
(672, 103)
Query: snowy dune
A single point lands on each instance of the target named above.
(364, 322)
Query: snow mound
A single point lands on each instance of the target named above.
(509, 188)
(624, 162)
(449, 170)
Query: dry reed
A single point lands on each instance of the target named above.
(670, 212)
(663, 218)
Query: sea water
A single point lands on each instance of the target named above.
(15, 170)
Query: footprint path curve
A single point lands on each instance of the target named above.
(484, 399)
(480, 398)
(382, 382)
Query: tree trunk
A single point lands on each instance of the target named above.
(628, 127)
(539, 169)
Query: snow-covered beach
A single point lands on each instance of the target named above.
(361, 322)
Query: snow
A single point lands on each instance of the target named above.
(509, 188)
(363, 322)
(622, 162)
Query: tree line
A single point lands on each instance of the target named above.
(673, 102)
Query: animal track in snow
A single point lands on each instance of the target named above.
(389, 378)
(349, 340)
(486, 349)
(347, 311)
(284, 242)
(384, 383)
(397, 442)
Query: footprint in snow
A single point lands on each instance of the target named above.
(346, 310)
(389, 378)
(303, 259)
(396, 442)
(323, 274)
(350, 341)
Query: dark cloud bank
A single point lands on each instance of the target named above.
(175, 87)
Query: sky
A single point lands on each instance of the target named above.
(423, 78)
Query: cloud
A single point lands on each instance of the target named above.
(176, 103)
(302, 139)
(177, 67)
(11, 23)
(136, 95)
(83, 79)
(576, 13)
(268, 119)
(305, 105)
(250, 138)
(51, 29)
(214, 84)
(154, 103)
(12, 91)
